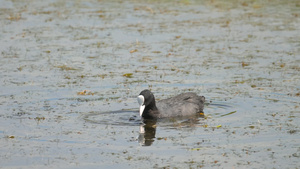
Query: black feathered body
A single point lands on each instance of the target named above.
(185, 104)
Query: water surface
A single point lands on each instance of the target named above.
(71, 71)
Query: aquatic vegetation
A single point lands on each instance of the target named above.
(71, 71)
(129, 75)
(85, 92)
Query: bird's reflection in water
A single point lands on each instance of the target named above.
(147, 132)
(148, 128)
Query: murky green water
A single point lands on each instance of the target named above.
(71, 70)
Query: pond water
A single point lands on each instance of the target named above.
(71, 71)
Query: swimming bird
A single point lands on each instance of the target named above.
(185, 104)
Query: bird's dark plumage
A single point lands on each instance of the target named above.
(185, 104)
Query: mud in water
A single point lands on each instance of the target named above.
(71, 70)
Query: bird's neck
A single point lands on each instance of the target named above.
(151, 111)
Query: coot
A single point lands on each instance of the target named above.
(184, 104)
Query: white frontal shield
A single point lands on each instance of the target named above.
(141, 101)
